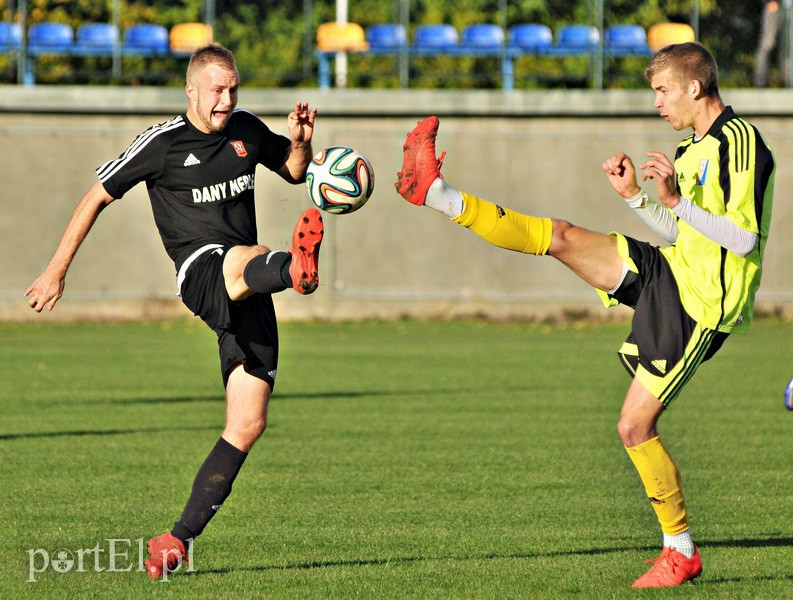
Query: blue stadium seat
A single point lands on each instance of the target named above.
(146, 39)
(530, 37)
(431, 39)
(577, 39)
(96, 39)
(626, 39)
(50, 38)
(483, 37)
(10, 33)
(386, 37)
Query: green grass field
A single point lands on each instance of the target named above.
(402, 459)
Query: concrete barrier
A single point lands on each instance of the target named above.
(538, 152)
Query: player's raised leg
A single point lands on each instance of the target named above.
(250, 269)
(592, 256)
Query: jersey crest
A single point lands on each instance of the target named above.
(703, 171)
(239, 148)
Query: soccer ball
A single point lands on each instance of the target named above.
(339, 180)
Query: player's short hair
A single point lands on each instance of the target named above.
(213, 54)
(685, 62)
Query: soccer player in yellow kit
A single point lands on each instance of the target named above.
(713, 206)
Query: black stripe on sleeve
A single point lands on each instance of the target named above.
(738, 144)
(763, 169)
(724, 166)
(745, 134)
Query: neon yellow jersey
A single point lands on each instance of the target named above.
(730, 172)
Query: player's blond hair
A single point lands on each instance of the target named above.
(212, 54)
(686, 62)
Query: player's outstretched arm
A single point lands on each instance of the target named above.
(301, 130)
(48, 287)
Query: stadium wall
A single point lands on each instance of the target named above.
(538, 152)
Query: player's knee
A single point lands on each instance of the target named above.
(246, 432)
(256, 429)
(632, 432)
(238, 290)
(562, 237)
(562, 232)
(234, 268)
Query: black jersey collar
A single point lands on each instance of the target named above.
(727, 114)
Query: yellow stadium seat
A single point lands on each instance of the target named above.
(661, 35)
(188, 37)
(334, 37)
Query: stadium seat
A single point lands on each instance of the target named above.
(146, 39)
(96, 39)
(483, 37)
(10, 34)
(530, 37)
(661, 35)
(337, 37)
(387, 37)
(626, 39)
(333, 37)
(189, 37)
(430, 39)
(577, 39)
(50, 38)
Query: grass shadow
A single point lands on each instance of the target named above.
(89, 432)
(398, 560)
(743, 543)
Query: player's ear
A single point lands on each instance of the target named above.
(190, 90)
(695, 88)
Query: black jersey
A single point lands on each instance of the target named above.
(200, 184)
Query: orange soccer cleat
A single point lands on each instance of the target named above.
(671, 568)
(166, 554)
(420, 166)
(306, 240)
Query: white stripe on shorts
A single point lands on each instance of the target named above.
(186, 264)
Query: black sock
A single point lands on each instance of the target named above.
(269, 273)
(211, 487)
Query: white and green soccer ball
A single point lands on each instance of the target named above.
(339, 180)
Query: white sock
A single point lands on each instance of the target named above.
(681, 542)
(444, 198)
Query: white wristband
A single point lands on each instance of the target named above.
(637, 201)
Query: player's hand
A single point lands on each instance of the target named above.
(661, 169)
(621, 175)
(45, 291)
(301, 123)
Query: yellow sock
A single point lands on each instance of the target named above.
(504, 227)
(662, 483)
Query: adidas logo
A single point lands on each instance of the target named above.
(660, 365)
(191, 160)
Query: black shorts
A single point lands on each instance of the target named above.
(665, 346)
(247, 330)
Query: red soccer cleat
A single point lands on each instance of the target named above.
(166, 554)
(671, 568)
(306, 239)
(420, 166)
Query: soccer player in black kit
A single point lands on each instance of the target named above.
(199, 170)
